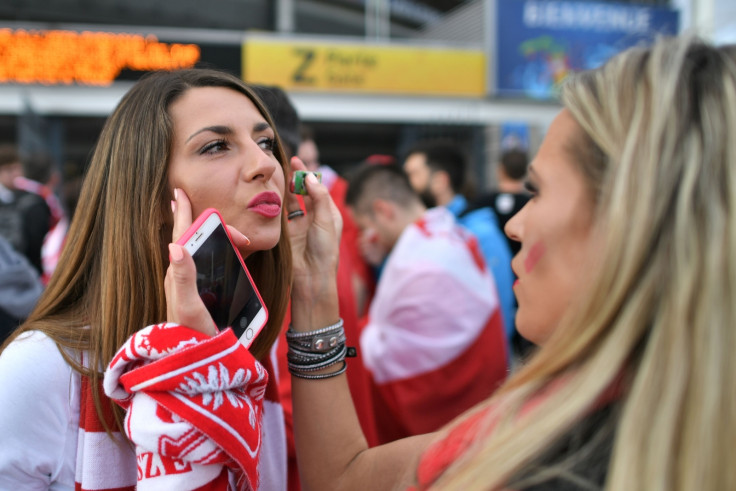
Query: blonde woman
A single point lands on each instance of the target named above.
(626, 280)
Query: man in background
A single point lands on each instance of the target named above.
(361, 274)
(434, 340)
(289, 127)
(510, 196)
(41, 177)
(25, 217)
(506, 200)
(437, 171)
(20, 288)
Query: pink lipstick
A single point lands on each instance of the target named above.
(267, 204)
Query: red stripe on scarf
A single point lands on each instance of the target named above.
(212, 385)
(89, 424)
(88, 419)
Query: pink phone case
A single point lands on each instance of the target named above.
(195, 226)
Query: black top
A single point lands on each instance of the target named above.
(24, 223)
(505, 205)
(578, 461)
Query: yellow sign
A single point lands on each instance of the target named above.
(89, 58)
(304, 65)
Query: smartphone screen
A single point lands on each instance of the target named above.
(223, 283)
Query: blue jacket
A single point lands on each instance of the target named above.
(482, 222)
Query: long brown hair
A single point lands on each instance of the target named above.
(110, 279)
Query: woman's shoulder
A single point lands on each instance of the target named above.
(39, 403)
(444, 451)
(32, 363)
(32, 343)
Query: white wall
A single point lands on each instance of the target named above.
(725, 23)
(712, 19)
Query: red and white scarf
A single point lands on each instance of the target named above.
(194, 411)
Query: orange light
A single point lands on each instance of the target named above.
(87, 58)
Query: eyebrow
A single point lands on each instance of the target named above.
(262, 126)
(220, 130)
(226, 130)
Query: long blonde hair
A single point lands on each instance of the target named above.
(660, 310)
(110, 279)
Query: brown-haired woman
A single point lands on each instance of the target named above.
(177, 143)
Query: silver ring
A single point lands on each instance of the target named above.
(295, 214)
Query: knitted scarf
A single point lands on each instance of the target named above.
(194, 409)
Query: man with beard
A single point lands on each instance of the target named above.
(437, 171)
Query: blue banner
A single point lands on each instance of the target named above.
(540, 42)
(514, 136)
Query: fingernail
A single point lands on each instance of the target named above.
(173, 206)
(175, 253)
(247, 240)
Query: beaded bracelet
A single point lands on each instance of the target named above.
(321, 340)
(315, 350)
(318, 347)
(292, 334)
(306, 358)
(312, 365)
(321, 375)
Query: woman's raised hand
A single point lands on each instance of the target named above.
(315, 243)
(183, 304)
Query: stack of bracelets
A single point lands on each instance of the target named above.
(314, 350)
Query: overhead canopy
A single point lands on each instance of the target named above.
(100, 101)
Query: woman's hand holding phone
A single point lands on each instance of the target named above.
(183, 304)
(183, 299)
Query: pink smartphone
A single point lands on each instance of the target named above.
(223, 281)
